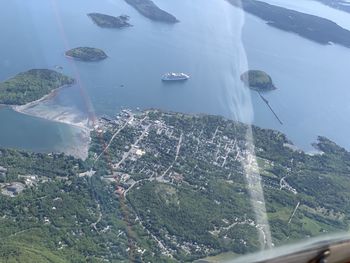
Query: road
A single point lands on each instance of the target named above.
(132, 147)
(114, 135)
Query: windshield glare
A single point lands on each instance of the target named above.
(162, 131)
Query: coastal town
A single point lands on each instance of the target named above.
(173, 131)
(163, 155)
(137, 136)
(191, 185)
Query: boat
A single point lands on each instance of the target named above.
(58, 67)
(171, 76)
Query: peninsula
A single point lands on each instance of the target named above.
(257, 80)
(108, 21)
(149, 9)
(311, 27)
(86, 54)
(31, 85)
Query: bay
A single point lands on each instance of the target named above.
(26, 132)
(214, 43)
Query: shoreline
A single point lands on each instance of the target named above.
(36, 102)
(25, 107)
(60, 115)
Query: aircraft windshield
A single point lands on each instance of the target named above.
(171, 131)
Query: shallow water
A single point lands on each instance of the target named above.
(26, 132)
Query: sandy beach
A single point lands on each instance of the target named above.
(44, 108)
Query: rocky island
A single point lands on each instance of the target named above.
(108, 21)
(148, 9)
(31, 85)
(257, 80)
(312, 27)
(86, 54)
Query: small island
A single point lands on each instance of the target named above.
(86, 54)
(107, 21)
(258, 80)
(149, 9)
(31, 85)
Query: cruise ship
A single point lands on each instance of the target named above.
(171, 76)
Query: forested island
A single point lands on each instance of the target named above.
(31, 85)
(86, 54)
(312, 27)
(151, 11)
(258, 80)
(108, 21)
(167, 187)
(337, 4)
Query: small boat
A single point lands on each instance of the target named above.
(58, 67)
(171, 76)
